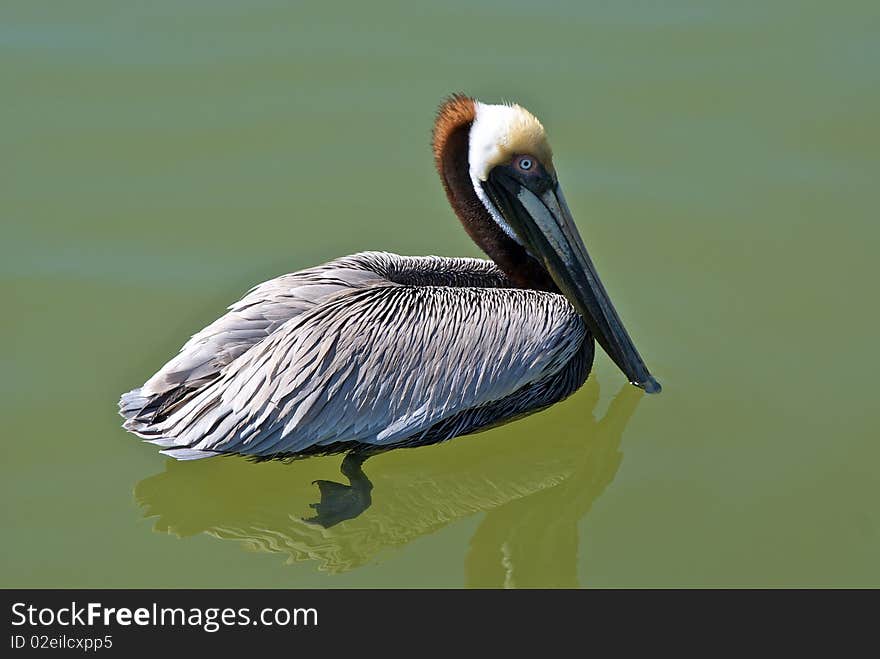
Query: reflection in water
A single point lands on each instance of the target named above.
(528, 538)
(532, 542)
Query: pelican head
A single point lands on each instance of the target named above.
(497, 167)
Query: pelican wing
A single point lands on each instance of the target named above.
(374, 366)
(258, 314)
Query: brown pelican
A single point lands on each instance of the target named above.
(375, 351)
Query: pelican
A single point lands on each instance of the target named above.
(375, 351)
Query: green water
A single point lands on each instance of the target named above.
(722, 160)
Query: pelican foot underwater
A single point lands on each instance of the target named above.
(375, 351)
(341, 502)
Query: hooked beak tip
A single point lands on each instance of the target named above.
(651, 386)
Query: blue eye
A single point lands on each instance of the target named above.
(525, 164)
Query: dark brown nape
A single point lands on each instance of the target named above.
(450, 144)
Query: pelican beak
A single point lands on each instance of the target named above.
(540, 218)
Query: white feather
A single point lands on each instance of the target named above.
(489, 137)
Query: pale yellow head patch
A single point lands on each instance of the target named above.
(500, 132)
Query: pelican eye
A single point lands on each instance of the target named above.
(525, 163)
